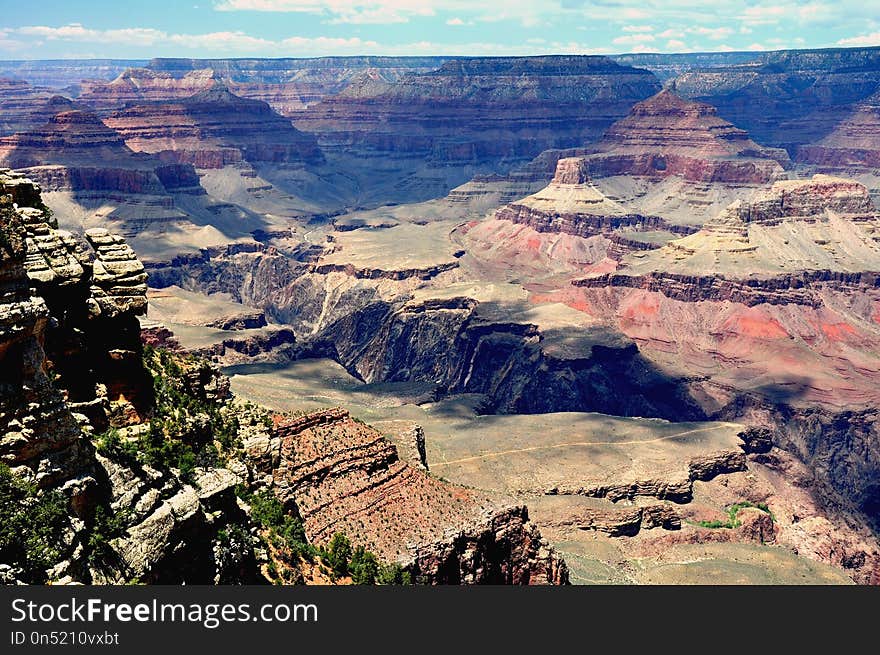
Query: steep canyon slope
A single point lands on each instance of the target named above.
(658, 331)
(139, 453)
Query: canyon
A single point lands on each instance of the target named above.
(505, 320)
(74, 364)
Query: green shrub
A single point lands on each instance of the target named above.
(394, 574)
(732, 521)
(32, 525)
(106, 526)
(285, 530)
(266, 510)
(364, 567)
(337, 555)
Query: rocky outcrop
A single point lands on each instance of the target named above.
(571, 204)
(778, 248)
(810, 199)
(667, 135)
(853, 143)
(40, 436)
(213, 129)
(676, 489)
(277, 345)
(244, 321)
(94, 289)
(343, 476)
(75, 152)
(288, 85)
(383, 274)
(787, 98)
(782, 290)
(119, 282)
(450, 344)
(413, 443)
(707, 467)
(626, 522)
(481, 110)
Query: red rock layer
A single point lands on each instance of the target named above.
(75, 150)
(344, 476)
(213, 129)
(853, 144)
(666, 135)
(478, 110)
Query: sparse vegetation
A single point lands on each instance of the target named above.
(360, 564)
(185, 431)
(285, 531)
(32, 525)
(106, 526)
(732, 520)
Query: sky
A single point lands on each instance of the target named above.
(53, 29)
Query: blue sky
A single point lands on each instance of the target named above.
(303, 28)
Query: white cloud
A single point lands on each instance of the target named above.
(790, 11)
(633, 13)
(397, 11)
(671, 34)
(863, 40)
(294, 46)
(638, 28)
(714, 33)
(455, 21)
(145, 37)
(675, 44)
(633, 39)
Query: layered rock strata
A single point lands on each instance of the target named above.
(213, 129)
(853, 144)
(498, 109)
(666, 135)
(343, 476)
(788, 98)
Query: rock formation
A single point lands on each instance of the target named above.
(853, 144)
(822, 229)
(475, 112)
(212, 129)
(75, 153)
(137, 86)
(291, 85)
(571, 204)
(787, 98)
(21, 105)
(40, 434)
(345, 477)
(667, 135)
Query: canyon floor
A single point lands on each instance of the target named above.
(631, 320)
(531, 457)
